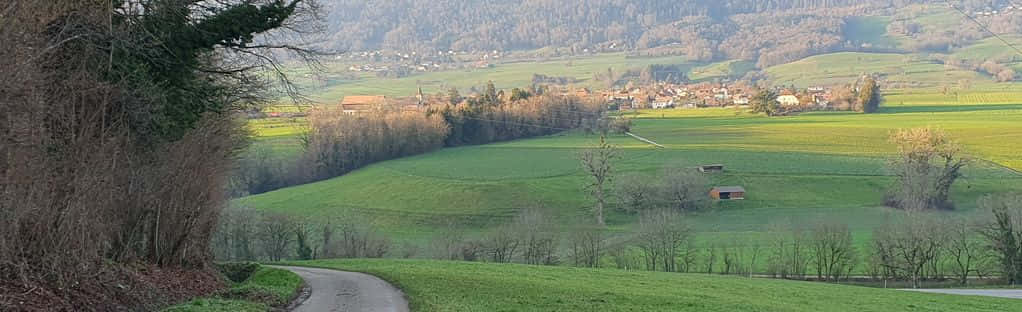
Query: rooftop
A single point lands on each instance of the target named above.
(730, 189)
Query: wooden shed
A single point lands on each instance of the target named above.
(728, 193)
(711, 168)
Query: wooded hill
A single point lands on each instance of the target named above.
(701, 29)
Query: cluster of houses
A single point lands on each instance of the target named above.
(380, 61)
(663, 96)
(1007, 10)
(423, 67)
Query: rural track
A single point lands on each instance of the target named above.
(340, 291)
(1000, 293)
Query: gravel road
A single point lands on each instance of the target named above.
(1003, 293)
(347, 291)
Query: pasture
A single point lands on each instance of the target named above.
(464, 286)
(796, 169)
(903, 71)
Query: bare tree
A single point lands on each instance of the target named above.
(755, 248)
(964, 248)
(502, 244)
(733, 256)
(586, 246)
(1003, 233)
(447, 246)
(637, 192)
(685, 188)
(711, 258)
(791, 251)
(928, 164)
(907, 247)
(236, 235)
(597, 164)
(662, 234)
(833, 250)
(538, 237)
(357, 238)
(689, 256)
(276, 236)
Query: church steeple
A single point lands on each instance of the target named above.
(420, 97)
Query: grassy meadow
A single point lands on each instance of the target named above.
(796, 169)
(462, 286)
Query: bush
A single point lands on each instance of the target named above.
(237, 271)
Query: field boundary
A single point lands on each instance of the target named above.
(644, 140)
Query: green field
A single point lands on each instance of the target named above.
(799, 168)
(461, 286)
(906, 71)
(335, 83)
(277, 136)
(727, 69)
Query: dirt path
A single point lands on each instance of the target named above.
(1002, 293)
(347, 291)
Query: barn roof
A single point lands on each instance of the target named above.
(730, 189)
(363, 100)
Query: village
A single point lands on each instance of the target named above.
(657, 96)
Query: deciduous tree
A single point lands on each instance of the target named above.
(598, 165)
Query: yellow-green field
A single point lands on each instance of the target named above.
(818, 165)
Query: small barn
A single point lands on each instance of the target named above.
(353, 104)
(711, 168)
(728, 193)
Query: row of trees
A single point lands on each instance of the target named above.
(493, 116)
(247, 235)
(337, 143)
(911, 247)
(677, 187)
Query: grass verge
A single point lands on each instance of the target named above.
(253, 288)
(465, 286)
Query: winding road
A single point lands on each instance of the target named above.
(331, 290)
(1002, 293)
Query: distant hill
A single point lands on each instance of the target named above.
(767, 32)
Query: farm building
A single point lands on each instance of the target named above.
(361, 104)
(728, 192)
(711, 168)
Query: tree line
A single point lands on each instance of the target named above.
(337, 143)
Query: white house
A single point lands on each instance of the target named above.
(662, 102)
(788, 100)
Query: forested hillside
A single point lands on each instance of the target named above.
(769, 32)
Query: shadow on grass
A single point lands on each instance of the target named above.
(948, 108)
